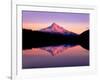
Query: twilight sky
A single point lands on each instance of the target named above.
(36, 20)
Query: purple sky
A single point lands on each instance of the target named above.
(64, 19)
(36, 16)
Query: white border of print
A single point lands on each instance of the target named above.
(46, 73)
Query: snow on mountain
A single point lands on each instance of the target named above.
(57, 29)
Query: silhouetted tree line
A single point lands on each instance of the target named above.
(35, 39)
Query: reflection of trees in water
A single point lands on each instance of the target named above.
(84, 39)
(37, 39)
(86, 46)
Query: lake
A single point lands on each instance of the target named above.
(55, 56)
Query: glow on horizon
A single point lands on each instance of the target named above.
(69, 26)
(36, 20)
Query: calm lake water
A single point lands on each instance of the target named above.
(55, 56)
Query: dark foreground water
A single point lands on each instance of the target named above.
(55, 56)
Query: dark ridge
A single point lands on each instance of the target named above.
(35, 39)
(84, 39)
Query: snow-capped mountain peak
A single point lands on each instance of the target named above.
(54, 28)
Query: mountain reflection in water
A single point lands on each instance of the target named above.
(55, 56)
(55, 50)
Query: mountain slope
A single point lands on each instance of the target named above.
(55, 28)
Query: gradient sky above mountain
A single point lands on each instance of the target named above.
(36, 20)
